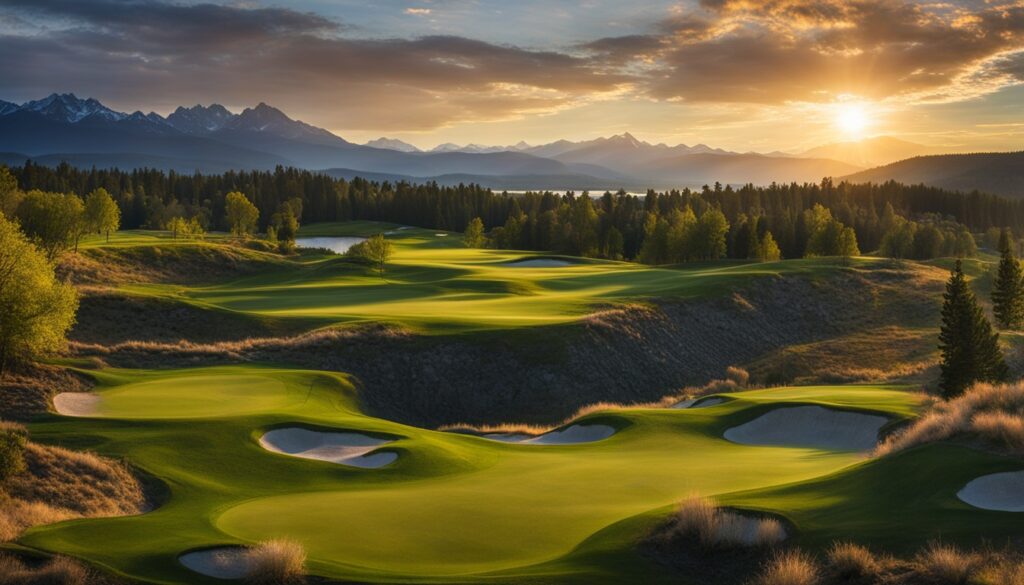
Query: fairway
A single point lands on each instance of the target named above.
(434, 284)
(453, 507)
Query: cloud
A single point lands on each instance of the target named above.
(418, 11)
(774, 51)
(150, 52)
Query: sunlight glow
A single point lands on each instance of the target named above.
(852, 119)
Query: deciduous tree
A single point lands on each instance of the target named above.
(242, 215)
(36, 310)
(102, 215)
(53, 221)
(474, 236)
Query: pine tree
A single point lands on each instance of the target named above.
(1008, 289)
(970, 349)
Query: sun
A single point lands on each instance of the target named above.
(852, 119)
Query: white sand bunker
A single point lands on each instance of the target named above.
(810, 426)
(76, 403)
(539, 263)
(698, 402)
(226, 562)
(352, 449)
(1003, 492)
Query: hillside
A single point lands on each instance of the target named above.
(870, 152)
(999, 173)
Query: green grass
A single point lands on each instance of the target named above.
(456, 508)
(435, 285)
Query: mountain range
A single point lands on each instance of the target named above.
(212, 139)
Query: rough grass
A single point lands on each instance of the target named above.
(991, 414)
(178, 262)
(276, 562)
(793, 567)
(701, 519)
(59, 484)
(850, 561)
(947, 564)
(56, 571)
(28, 391)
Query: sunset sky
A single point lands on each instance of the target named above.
(738, 74)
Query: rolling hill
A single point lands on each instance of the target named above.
(999, 173)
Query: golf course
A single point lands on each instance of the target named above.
(435, 284)
(239, 454)
(460, 508)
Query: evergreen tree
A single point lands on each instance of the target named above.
(970, 349)
(1008, 289)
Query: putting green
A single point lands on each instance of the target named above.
(458, 508)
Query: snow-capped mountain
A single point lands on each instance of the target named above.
(67, 107)
(7, 107)
(199, 119)
(392, 144)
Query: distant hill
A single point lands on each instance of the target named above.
(870, 152)
(999, 173)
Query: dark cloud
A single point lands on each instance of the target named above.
(160, 53)
(781, 50)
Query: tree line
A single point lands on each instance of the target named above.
(797, 220)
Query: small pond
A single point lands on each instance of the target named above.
(338, 245)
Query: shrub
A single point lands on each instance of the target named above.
(58, 571)
(790, 568)
(1006, 573)
(991, 413)
(700, 518)
(848, 560)
(738, 375)
(276, 562)
(947, 564)
(12, 453)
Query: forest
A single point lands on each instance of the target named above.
(778, 220)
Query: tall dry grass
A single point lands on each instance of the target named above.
(851, 561)
(59, 484)
(948, 564)
(276, 562)
(992, 414)
(792, 567)
(57, 571)
(700, 518)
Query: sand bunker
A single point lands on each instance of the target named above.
(698, 402)
(574, 434)
(352, 449)
(1003, 492)
(539, 263)
(810, 426)
(226, 562)
(76, 403)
